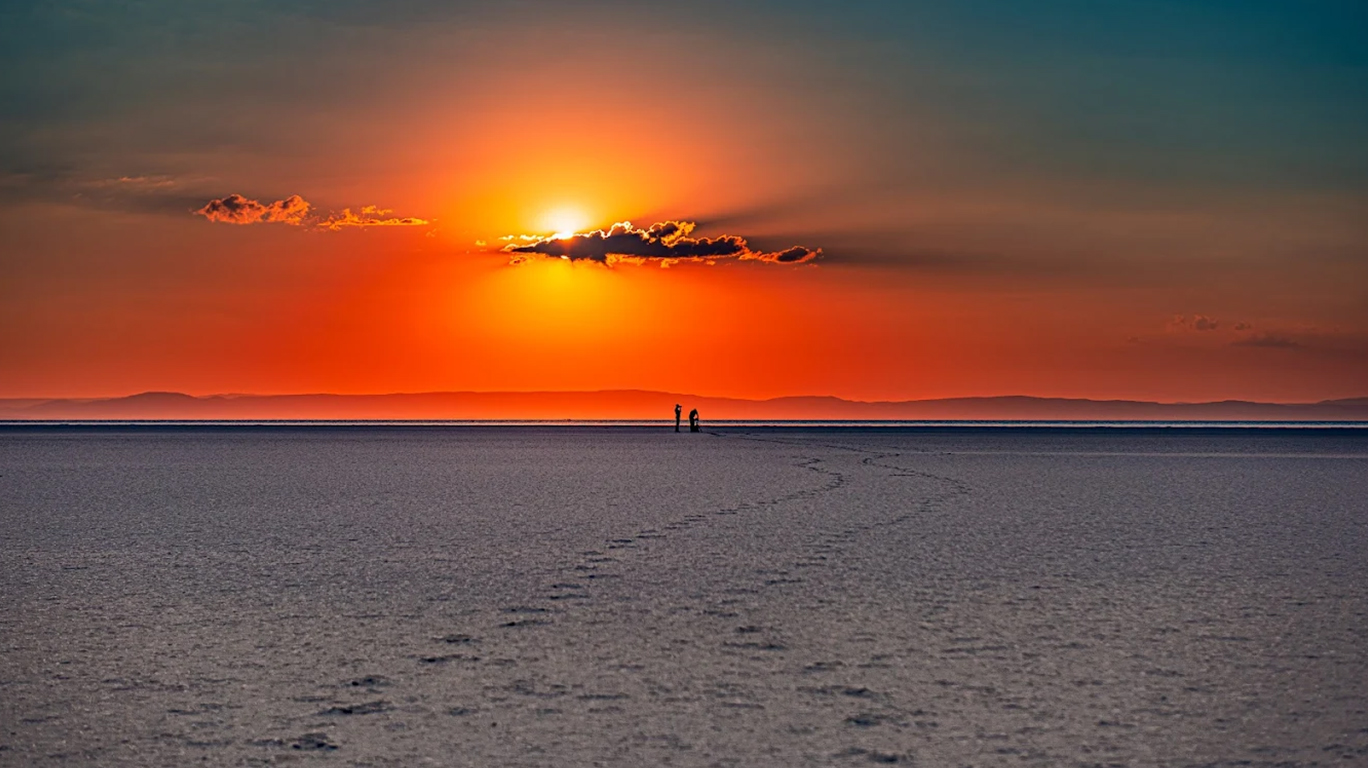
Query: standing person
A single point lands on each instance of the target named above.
(693, 420)
(678, 410)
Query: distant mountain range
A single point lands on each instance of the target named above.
(637, 404)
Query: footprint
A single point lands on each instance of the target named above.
(755, 646)
(448, 658)
(524, 623)
(369, 681)
(313, 742)
(368, 708)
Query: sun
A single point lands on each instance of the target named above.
(565, 222)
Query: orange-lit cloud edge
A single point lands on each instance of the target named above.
(295, 211)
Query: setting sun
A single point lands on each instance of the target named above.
(565, 222)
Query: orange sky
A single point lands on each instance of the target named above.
(966, 249)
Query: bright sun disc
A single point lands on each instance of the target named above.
(566, 222)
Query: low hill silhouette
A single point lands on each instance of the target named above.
(639, 404)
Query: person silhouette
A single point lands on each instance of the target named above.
(693, 420)
(678, 410)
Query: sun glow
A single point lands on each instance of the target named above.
(565, 222)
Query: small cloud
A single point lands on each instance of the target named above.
(1268, 340)
(1243, 327)
(1193, 323)
(236, 209)
(667, 242)
(370, 216)
(795, 255)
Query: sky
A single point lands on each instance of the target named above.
(874, 200)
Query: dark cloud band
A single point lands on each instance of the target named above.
(666, 241)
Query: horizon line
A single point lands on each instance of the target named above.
(236, 395)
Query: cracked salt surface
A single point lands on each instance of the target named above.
(590, 596)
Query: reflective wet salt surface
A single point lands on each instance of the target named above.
(598, 596)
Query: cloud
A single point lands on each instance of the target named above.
(236, 209)
(138, 193)
(136, 183)
(667, 242)
(294, 210)
(1268, 340)
(1308, 339)
(1193, 323)
(370, 216)
(1244, 327)
(795, 255)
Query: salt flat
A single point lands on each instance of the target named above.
(615, 596)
